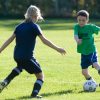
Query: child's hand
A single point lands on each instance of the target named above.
(79, 41)
(61, 50)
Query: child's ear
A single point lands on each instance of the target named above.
(87, 20)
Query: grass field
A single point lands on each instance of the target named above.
(63, 79)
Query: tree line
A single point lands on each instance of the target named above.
(49, 8)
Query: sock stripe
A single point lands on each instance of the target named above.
(40, 82)
(17, 70)
(37, 87)
(36, 91)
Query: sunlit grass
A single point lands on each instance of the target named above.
(63, 79)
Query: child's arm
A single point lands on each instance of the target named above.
(7, 42)
(78, 41)
(50, 44)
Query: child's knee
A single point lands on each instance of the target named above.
(40, 76)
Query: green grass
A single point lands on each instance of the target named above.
(63, 79)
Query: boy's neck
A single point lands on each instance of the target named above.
(83, 25)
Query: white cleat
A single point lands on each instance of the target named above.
(2, 86)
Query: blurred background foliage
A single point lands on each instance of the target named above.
(49, 8)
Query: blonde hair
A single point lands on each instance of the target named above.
(33, 11)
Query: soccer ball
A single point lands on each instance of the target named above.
(90, 86)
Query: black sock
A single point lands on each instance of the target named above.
(99, 71)
(12, 75)
(37, 87)
(89, 78)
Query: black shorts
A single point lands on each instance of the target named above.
(31, 65)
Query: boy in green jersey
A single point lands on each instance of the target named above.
(84, 37)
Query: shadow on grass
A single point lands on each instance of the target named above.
(21, 98)
(55, 26)
(45, 95)
(88, 92)
(82, 92)
(47, 25)
(57, 93)
(50, 94)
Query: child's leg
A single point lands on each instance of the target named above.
(38, 84)
(86, 74)
(96, 66)
(16, 71)
(33, 67)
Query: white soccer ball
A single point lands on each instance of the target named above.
(90, 86)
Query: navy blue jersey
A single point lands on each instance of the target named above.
(26, 34)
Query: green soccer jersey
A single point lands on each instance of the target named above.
(86, 34)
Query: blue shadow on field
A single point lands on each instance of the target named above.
(44, 95)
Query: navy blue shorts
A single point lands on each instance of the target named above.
(87, 60)
(31, 65)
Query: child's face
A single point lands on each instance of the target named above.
(35, 18)
(82, 20)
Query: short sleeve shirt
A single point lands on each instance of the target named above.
(26, 34)
(86, 33)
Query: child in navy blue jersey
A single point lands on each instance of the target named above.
(25, 35)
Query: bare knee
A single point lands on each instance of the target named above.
(40, 76)
(96, 65)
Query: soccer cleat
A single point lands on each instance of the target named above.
(36, 96)
(2, 85)
(99, 72)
